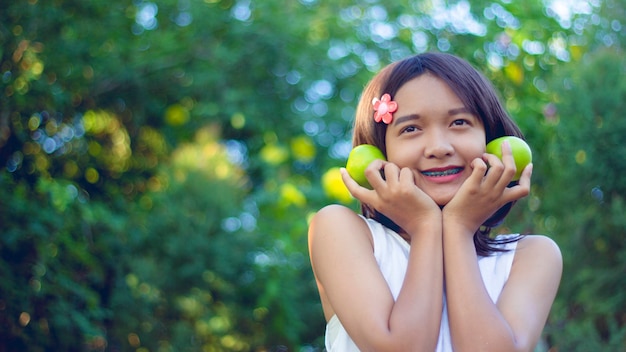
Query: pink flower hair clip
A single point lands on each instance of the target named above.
(384, 108)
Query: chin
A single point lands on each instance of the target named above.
(442, 201)
(443, 195)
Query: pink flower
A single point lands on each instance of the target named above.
(384, 108)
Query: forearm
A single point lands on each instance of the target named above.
(415, 316)
(418, 308)
(475, 321)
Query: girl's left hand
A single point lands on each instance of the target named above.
(486, 190)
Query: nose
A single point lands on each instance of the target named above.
(438, 145)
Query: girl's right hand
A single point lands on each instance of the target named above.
(394, 194)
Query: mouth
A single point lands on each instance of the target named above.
(442, 172)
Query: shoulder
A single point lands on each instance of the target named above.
(333, 212)
(331, 217)
(538, 254)
(335, 228)
(336, 221)
(538, 246)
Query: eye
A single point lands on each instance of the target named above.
(460, 122)
(409, 129)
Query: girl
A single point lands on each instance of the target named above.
(418, 271)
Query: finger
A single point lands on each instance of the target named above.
(375, 174)
(406, 177)
(526, 176)
(479, 170)
(495, 166)
(500, 172)
(377, 164)
(522, 188)
(391, 174)
(356, 190)
(508, 160)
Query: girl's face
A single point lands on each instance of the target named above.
(433, 134)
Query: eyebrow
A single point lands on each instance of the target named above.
(451, 112)
(461, 110)
(402, 119)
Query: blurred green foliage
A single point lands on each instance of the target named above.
(160, 159)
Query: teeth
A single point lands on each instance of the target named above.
(442, 173)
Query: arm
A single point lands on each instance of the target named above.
(350, 281)
(515, 322)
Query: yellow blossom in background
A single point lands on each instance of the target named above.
(176, 115)
(334, 187)
(205, 155)
(291, 195)
(577, 51)
(514, 72)
(116, 153)
(92, 175)
(274, 154)
(303, 149)
(581, 157)
(238, 120)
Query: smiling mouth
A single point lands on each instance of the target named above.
(441, 173)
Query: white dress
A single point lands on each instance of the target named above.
(392, 255)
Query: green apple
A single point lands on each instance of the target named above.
(521, 152)
(359, 159)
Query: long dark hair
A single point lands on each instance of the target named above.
(472, 88)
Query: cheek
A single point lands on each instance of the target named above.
(478, 149)
(470, 154)
(475, 144)
(401, 153)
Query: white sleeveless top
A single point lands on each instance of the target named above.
(392, 255)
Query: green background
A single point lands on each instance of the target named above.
(160, 160)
